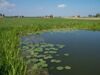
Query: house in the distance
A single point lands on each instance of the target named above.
(50, 16)
(77, 16)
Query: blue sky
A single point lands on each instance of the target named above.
(47, 7)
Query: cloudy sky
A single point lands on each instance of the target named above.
(46, 7)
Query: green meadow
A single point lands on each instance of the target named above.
(12, 61)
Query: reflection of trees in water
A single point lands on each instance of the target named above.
(35, 38)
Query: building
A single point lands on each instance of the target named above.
(78, 16)
(50, 16)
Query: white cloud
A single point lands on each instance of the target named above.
(61, 6)
(4, 4)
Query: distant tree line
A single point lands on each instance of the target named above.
(2, 14)
(97, 15)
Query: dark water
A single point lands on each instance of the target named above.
(83, 47)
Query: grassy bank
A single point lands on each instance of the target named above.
(11, 61)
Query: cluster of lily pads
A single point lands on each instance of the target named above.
(61, 67)
(37, 54)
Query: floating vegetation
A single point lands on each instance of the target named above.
(47, 49)
(35, 54)
(48, 57)
(67, 67)
(32, 61)
(25, 48)
(46, 52)
(52, 52)
(62, 68)
(36, 45)
(66, 54)
(41, 60)
(38, 50)
(55, 61)
(54, 49)
(42, 63)
(50, 45)
(43, 46)
(58, 61)
(28, 57)
(45, 65)
(42, 52)
(60, 46)
(40, 56)
(59, 68)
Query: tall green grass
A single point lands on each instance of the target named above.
(11, 62)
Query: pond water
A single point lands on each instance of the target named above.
(83, 47)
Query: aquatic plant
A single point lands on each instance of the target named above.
(67, 67)
(46, 52)
(66, 54)
(52, 52)
(59, 68)
(60, 46)
(40, 56)
(48, 56)
(55, 61)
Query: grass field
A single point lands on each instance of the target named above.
(11, 61)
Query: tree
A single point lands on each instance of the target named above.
(3, 15)
(90, 15)
(97, 15)
(0, 14)
(51, 16)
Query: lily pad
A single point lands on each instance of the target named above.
(50, 45)
(58, 61)
(59, 68)
(28, 57)
(48, 57)
(60, 46)
(40, 56)
(55, 61)
(36, 45)
(66, 54)
(38, 50)
(52, 52)
(46, 52)
(47, 49)
(67, 67)
(45, 65)
(53, 48)
(43, 46)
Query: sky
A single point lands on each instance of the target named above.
(47, 7)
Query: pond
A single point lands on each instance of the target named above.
(80, 54)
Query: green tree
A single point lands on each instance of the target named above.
(98, 15)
